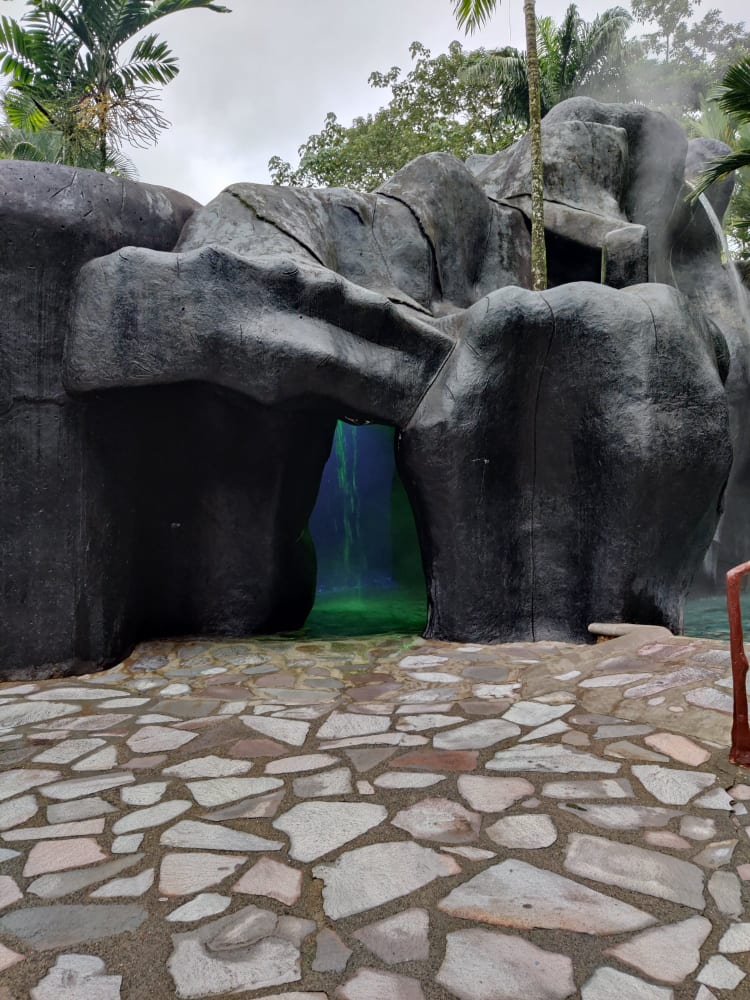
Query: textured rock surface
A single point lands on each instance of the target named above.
(516, 894)
(548, 420)
(68, 534)
(300, 899)
(294, 307)
(248, 950)
(553, 377)
(718, 291)
(480, 965)
(81, 976)
(558, 369)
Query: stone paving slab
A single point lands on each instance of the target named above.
(377, 819)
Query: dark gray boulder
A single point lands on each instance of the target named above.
(567, 464)
(565, 452)
(652, 195)
(162, 444)
(712, 284)
(65, 553)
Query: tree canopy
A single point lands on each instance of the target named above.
(728, 118)
(77, 70)
(467, 101)
(676, 65)
(432, 107)
(470, 14)
(575, 57)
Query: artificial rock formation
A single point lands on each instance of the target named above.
(712, 285)
(565, 452)
(67, 590)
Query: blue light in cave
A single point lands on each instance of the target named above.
(351, 523)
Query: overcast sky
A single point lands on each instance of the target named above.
(258, 81)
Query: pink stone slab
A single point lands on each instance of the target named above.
(439, 819)
(516, 894)
(272, 878)
(90, 723)
(9, 891)
(679, 748)
(437, 760)
(400, 938)
(8, 959)
(154, 739)
(22, 779)
(482, 965)
(185, 873)
(371, 984)
(247, 749)
(668, 954)
(59, 855)
(493, 794)
(89, 827)
(665, 838)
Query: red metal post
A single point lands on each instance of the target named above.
(740, 752)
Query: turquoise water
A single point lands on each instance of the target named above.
(378, 611)
(393, 609)
(707, 617)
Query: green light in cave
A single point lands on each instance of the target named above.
(346, 463)
(368, 612)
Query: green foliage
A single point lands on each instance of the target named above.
(71, 72)
(575, 57)
(432, 107)
(675, 66)
(48, 145)
(472, 14)
(727, 117)
(42, 147)
(667, 16)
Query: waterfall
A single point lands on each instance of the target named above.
(740, 295)
(346, 456)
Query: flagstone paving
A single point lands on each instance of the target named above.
(377, 819)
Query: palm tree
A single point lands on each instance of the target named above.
(67, 72)
(41, 147)
(733, 98)
(575, 57)
(470, 14)
(48, 145)
(714, 123)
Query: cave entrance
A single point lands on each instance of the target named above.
(370, 578)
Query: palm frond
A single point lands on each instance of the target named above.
(25, 113)
(497, 69)
(152, 62)
(718, 169)
(505, 71)
(66, 73)
(603, 42)
(734, 96)
(568, 44)
(712, 123)
(157, 9)
(546, 37)
(472, 14)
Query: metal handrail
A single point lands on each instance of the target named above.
(740, 751)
